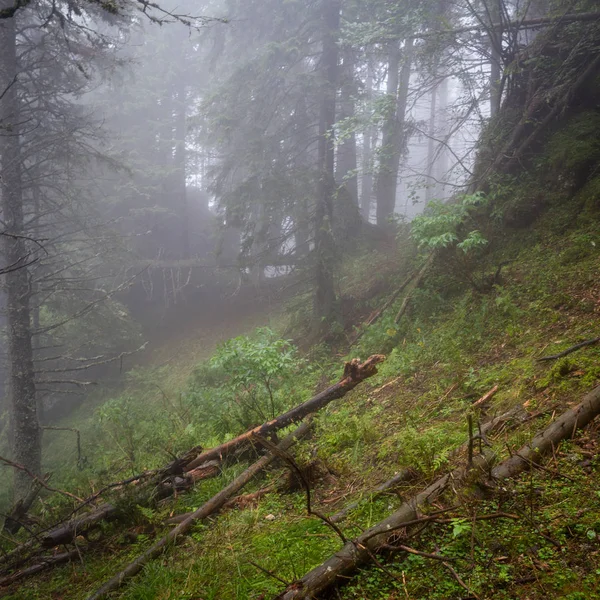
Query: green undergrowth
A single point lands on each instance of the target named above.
(456, 343)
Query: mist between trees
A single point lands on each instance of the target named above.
(158, 154)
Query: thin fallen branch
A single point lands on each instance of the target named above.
(377, 314)
(44, 564)
(414, 285)
(487, 396)
(569, 350)
(39, 480)
(402, 476)
(207, 509)
(354, 373)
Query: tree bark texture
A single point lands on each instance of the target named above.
(324, 299)
(393, 140)
(346, 171)
(26, 430)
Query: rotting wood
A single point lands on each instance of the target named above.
(570, 350)
(207, 509)
(354, 373)
(237, 502)
(359, 552)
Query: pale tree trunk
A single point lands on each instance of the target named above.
(25, 427)
(431, 146)
(346, 154)
(393, 133)
(324, 300)
(180, 166)
(441, 163)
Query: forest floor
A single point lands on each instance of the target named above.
(455, 345)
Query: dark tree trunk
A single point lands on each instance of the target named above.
(26, 430)
(369, 140)
(324, 300)
(496, 58)
(431, 147)
(393, 133)
(346, 154)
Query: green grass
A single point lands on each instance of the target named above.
(453, 345)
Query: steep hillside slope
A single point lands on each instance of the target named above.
(511, 278)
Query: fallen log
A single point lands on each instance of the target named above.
(359, 551)
(563, 428)
(354, 373)
(207, 509)
(401, 477)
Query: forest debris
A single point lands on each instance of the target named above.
(44, 564)
(207, 509)
(358, 552)
(569, 350)
(414, 285)
(487, 396)
(374, 317)
(354, 373)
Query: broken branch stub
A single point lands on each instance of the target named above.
(354, 373)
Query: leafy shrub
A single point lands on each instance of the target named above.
(247, 381)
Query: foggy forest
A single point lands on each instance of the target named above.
(299, 299)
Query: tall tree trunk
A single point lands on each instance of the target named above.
(431, 146)
(441, 163)
(324, 300)
(495, 11)
(25, 426)
(393, 133)
(180, 164)
(346, 154)
(369, 140)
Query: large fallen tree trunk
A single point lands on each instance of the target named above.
(360, 551)
(354, 373)
(207, 509)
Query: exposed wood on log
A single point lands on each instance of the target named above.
(401, 477)
(354, 373)
(569, 350)
(563, 428)
(487, 396)
(204, 471)
(359, 551)
(44, 564)
(207, 509)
